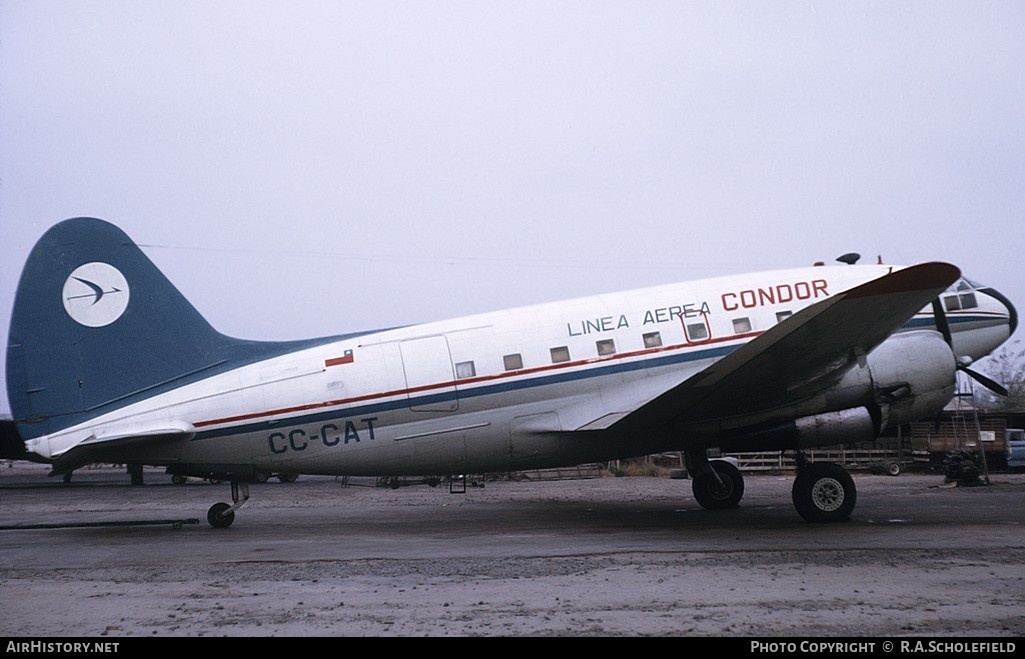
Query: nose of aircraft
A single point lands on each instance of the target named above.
(1012, 313)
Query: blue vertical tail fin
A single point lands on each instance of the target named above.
(96, 326)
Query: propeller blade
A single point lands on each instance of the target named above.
(942, 325)
(990, 384)
(940, 315)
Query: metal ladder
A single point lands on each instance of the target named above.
(965, 421)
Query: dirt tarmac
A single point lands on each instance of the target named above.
(98, 557)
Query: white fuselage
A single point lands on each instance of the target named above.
(492, 391)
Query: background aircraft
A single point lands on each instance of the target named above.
(108, 362)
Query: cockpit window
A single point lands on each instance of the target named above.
(961, 295)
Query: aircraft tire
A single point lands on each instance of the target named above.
(824, 492)
(710, 495)
(216, 517)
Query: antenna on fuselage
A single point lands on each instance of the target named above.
(849, 259)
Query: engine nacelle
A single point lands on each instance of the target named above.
(914, 376)
(909, 377)
(856, 424)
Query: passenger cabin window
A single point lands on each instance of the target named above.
(560, 354)
(606, 347)
(513, 362)
(697, 332)
(465, 370)
(741, 325)
(963, 297)
(783, 315)
(652, 340)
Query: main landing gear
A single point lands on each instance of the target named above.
(822, 491)
(221, 515)
(717, 484)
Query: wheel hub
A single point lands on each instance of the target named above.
(722, 490)
(827, 494)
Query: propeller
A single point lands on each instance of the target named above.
(940, 314)
(989, 383)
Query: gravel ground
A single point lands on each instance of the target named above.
(610, 556)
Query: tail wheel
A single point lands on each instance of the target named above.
(824, 492)
(720, 493)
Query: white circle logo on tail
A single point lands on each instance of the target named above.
(95, 294)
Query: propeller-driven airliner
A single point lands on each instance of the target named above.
(108, 362)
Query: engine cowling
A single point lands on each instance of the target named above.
(913, 376)
(909, 377)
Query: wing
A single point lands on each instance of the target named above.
(796, 358)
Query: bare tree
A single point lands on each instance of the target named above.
(1006, 366)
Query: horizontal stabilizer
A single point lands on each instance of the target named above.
(101, 439)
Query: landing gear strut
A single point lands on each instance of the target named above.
(221, 515)
(717, 484)
(823, 491)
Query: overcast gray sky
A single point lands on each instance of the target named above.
(308, 168)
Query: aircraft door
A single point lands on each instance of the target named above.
(430, 380)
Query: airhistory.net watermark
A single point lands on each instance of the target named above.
(59, 647)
